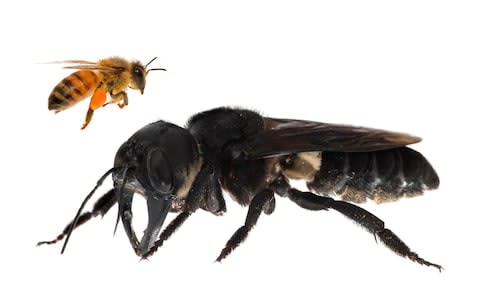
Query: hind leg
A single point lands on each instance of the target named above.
(98, 100)
(359, 215)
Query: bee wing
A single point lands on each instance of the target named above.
(286, 136)
(95, 68)
(87, 65)
(74, 61)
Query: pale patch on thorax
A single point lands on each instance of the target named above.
(302, 165)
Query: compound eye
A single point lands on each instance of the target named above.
(138, 74)
(139, 78)
(159, 173)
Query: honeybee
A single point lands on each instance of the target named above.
(107, 76)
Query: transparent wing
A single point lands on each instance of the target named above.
(87, 65)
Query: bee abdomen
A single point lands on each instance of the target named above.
(379, 175)
(72, 89)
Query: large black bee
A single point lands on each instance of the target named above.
(252, 158)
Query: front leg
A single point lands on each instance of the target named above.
(120, 98)
(100, 208)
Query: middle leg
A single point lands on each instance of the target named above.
(263, 201)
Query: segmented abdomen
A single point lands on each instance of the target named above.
(379, 175)
(72, 89)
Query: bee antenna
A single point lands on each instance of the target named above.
(120, 194)
(150, 61)
(155, 69)
(75, 220)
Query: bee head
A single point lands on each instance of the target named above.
(139, 74)
(153, 163)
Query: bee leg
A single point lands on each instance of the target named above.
(97, 100)
(167, 232)
(263, 201)
(101, 207)
(121, 98)
(362, 217)
(214, 201)
(88, 118)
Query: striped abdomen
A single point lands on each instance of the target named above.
(379, 175)
(72, 89)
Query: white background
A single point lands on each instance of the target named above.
(410, 66)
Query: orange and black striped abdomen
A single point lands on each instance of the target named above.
(72, 89)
